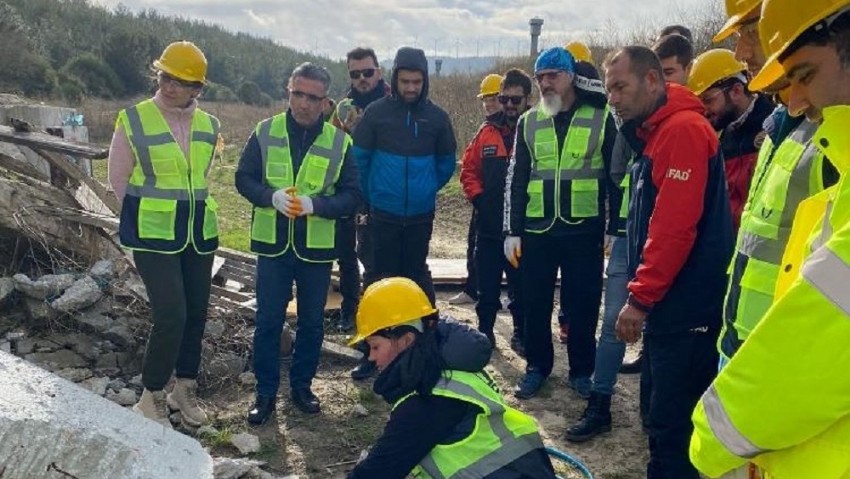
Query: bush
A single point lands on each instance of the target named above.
(250, 93)
(70, 88)
(265, 100)
(219, 92)
(98, 77)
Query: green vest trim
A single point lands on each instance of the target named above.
(319, 172)
(501, 434)
(579, 162)
(162, 176)
(784, 177)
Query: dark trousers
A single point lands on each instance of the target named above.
(580, 259)
(349, 269)
(178, 286)
(365, 252)
(680, 367)
(402, 250)
(275, 276)
(491, 264)
(471, 285)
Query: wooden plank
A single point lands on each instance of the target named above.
(239, 256)
(52, 143)
(239, 278)
(72, 171)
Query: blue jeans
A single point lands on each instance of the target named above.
(275, 276)
(610, 351)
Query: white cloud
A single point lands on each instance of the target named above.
(449, 27)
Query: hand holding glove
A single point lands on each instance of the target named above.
(301, 206)
(280, 199)
(513, 250)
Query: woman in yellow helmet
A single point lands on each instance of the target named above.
(160, 153)
(446, 421)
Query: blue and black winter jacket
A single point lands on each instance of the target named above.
(405, 152)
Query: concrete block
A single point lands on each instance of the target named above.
(51, 428)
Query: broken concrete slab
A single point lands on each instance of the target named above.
(246, 443)
(121, 335)
(93, 321)
(96, 385)
(103, 270)
(58, 360)
(49, 424)
(82, 294)
(75, 375)
(7, 288)
(38, 312)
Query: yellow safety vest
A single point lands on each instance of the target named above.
(783, 401)
(167, 205)
(783, 178)
(578, 166)
(501, 434)
(311, 236)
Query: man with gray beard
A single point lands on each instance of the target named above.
(555, 201)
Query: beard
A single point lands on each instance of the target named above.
(551, 104)
(724, 120)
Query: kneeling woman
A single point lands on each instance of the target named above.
(444, 423)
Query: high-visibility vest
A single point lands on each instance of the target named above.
(782, 402)
(500, 436)
(311, 236)
(167, 205)
(784, 177)
(578, 165)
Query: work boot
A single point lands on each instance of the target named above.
(306, 401)
(530, 384)
(153, 405)
(563, 332)
(581, 386)
(346, 322)
(595, 420)
(262, 411)
(364, 370)
(633, 366)
(184, 398)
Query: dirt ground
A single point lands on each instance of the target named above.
(326, 445)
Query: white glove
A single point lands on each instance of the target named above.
(513, 250)
(279, 201)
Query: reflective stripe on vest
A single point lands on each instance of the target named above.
(624, 204)
(579, 162)
(723, 429)
(503, 439)
(782, 182)
(166, 185)
(317, 175)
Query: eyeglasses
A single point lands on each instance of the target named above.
(300, 95)
(365, 73)
(514, 99)
(166, 79)
(707, 99)
(551, 76)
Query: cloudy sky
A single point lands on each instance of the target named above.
(447, 27)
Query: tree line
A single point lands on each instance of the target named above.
(71, 49)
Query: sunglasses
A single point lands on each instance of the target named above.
(514, 99)
(365, 73)
(300, 95)
(166, 79)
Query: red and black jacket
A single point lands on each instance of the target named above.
(679, 226)
(740, 144)
(483, 171)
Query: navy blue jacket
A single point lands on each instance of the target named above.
(405, 152)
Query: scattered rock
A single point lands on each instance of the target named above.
(247, 379)
(7, 288)
(207, 431)
(228, 468)
(82, 294)
(93, 322)
(108, 360)
(55, 361)
(116, 384)
(27, 345)
(225, 365)
(134, 286)
(214, 329)
(103, 270)
(136, 382)
(96, 385)
(47, 286)
(246, 443)
(176, 417)
(360, 410)
(124, 397)
(120, 335)
(6, 346)
(75, 374)
(39, 312)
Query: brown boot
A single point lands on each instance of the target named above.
(184, 398)
(152, 405)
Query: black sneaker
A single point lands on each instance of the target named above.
(306, 401)
(595, 420)
(530, 384)
(262, 411)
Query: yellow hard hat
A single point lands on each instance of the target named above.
(736, 11)
(490, 85)
(579, 51)
(711, 67)
(782, 22)
(183, 60)
(390, 302)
